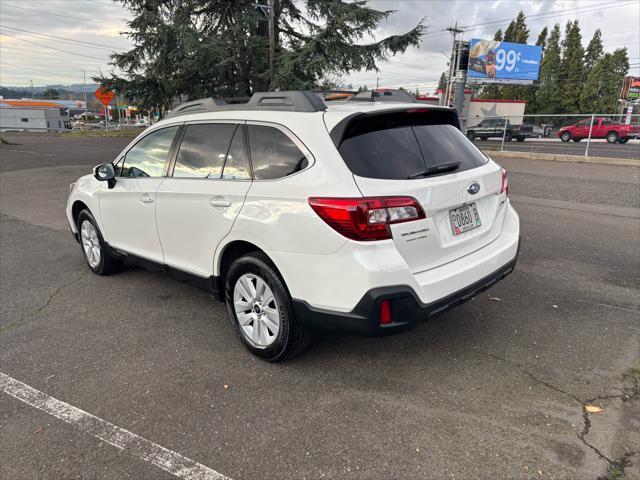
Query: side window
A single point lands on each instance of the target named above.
(147, 157)
(203, 150)
(273, 154)
(236, 166)
(607, 121)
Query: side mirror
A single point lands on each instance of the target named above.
(105, 173)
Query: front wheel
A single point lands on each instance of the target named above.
(612, 137)
(566, 136)
(508, 137)
(520, 139)
(261, 311)
(93, 246)
(471, 135)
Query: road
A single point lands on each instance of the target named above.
(493, 389)
(597, 148)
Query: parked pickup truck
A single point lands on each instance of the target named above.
(603, 127)
(494, 128)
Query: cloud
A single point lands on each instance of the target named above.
(100, 22)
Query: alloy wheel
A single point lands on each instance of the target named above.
(90, 243)
(257, 310)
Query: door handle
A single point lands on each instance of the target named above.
(219, 202)
(146, 198)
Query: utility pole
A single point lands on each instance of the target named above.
(31, 88)
(461, 80)
(377, 83)
(454, 31)
(84, 90)
(272, 41)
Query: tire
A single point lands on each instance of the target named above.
(471, 135)
(271, 341)
(520, 139)
(508, 137)
(577, 140)
(623, 140)
(93, 247)
(612, 137)
(566, 136)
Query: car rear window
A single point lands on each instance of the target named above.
(398, 145)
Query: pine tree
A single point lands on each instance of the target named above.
(602, 87)
(442, 83)
(549, 94)
(595, 80)
(498, 36)
(198, 48)
(509, 33)
(542, 38)
(572, 68)
(530, 92)
(594, 51)
(517, 32)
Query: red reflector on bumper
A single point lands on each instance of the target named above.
(385, 312)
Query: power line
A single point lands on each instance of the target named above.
(47, 70)
(47, 12)
(53, 48)
(557, 13)
(80, 42)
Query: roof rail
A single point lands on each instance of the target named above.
(297, 101)
(384, 95)
(293, 101)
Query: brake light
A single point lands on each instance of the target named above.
(367, 218)
(505, 182)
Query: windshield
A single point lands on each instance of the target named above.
(397, 146)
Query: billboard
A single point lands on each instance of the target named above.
(492, 61)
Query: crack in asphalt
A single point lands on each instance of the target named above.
(620, 464)
(36, 311)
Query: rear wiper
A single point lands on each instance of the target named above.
(436, 169)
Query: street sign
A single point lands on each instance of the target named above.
(104, 96)
(627, 119)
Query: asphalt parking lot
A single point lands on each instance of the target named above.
(496, 388)
(597, 148)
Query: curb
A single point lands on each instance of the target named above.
(556, 157)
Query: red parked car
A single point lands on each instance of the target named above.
(603, 127)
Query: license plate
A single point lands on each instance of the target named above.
(464, 218)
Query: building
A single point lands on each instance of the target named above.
(474, 110)
(33, 115)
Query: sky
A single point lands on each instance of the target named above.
(55, 41)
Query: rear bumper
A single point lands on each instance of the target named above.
(406, 308)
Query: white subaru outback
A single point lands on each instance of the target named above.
(365, 216)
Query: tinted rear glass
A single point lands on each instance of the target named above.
(396, 146)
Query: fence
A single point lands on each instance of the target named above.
(546, 132)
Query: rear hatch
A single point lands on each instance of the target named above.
(399, 153)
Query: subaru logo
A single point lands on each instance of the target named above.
(473, 188)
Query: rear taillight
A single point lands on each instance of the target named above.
(367, 218)
(505, 183)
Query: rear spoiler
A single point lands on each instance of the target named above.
(337, 133)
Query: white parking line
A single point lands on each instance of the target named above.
(134, 445)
